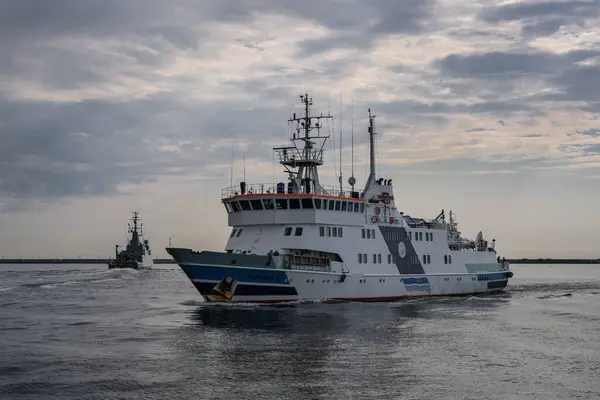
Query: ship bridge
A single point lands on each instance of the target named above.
(262, 204)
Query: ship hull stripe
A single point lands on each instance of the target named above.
(240, 274)
(206, 289)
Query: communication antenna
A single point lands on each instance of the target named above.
(352, 179)
(341, 124)
(231, 173)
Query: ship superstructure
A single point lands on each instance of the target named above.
(301, 240)
(137, 253)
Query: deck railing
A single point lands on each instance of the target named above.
(282, 188)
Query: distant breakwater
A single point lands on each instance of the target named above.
(70, 261)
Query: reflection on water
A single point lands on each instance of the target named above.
(87, 334)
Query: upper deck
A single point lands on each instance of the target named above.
(258, 204)
(280, 189)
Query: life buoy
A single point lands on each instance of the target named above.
(374, 219)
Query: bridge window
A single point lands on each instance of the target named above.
(356, 207)
(307, 203)
(359, 258)
(288, 231)
(374, 258)
(344, 204)
(228, 207)
(362, 207)
(298, 231)
(449, 259)
(324, 204)
(269, 205)
(331, 205)
(362, 233)
(321, 231)
(245, 204)
(281, 204)
(372, 233)
(239, 233)
(334, 229)
(318, 204)
(379, 258)
(294, 204)
(256, 205)
(328, 231)
(368, 234)
(232, 233)
(340, 232)
(389, 258)
(445, 259)
(337, 205)
(235, 206)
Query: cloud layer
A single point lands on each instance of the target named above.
(99, 97)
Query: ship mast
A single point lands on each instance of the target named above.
(301, 163)
(371, 179)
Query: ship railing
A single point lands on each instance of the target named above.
(306, 263)
(282, 188)
(290, 155)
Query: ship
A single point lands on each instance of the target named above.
(303, 241)
(137, 253)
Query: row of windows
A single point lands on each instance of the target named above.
(288, 231)
(368, 233)
(238, 231)
(402, 235)
(307, 203)
(362, 258)
(332, 231)
(419, 236)
(391, 259)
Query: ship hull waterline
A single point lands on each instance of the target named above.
(251, 284)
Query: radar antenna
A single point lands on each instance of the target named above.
(301, 162)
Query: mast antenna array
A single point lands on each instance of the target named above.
(301, 160)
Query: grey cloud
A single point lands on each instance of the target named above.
(493, 108)
(545, 17)
(89, 148)
(594, 132)
(478, 130)
(502, 64)
(580, 83)
(365, 21)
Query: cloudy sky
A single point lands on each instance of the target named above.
(489, 108)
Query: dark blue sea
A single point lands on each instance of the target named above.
(84, 332)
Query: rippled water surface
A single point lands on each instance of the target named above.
(83, 332)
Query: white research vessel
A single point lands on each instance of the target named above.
(302, 241)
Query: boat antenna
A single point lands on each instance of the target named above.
(244, 165)
(352, 179)
(231, 173)
(341, 124)
(371, 179)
